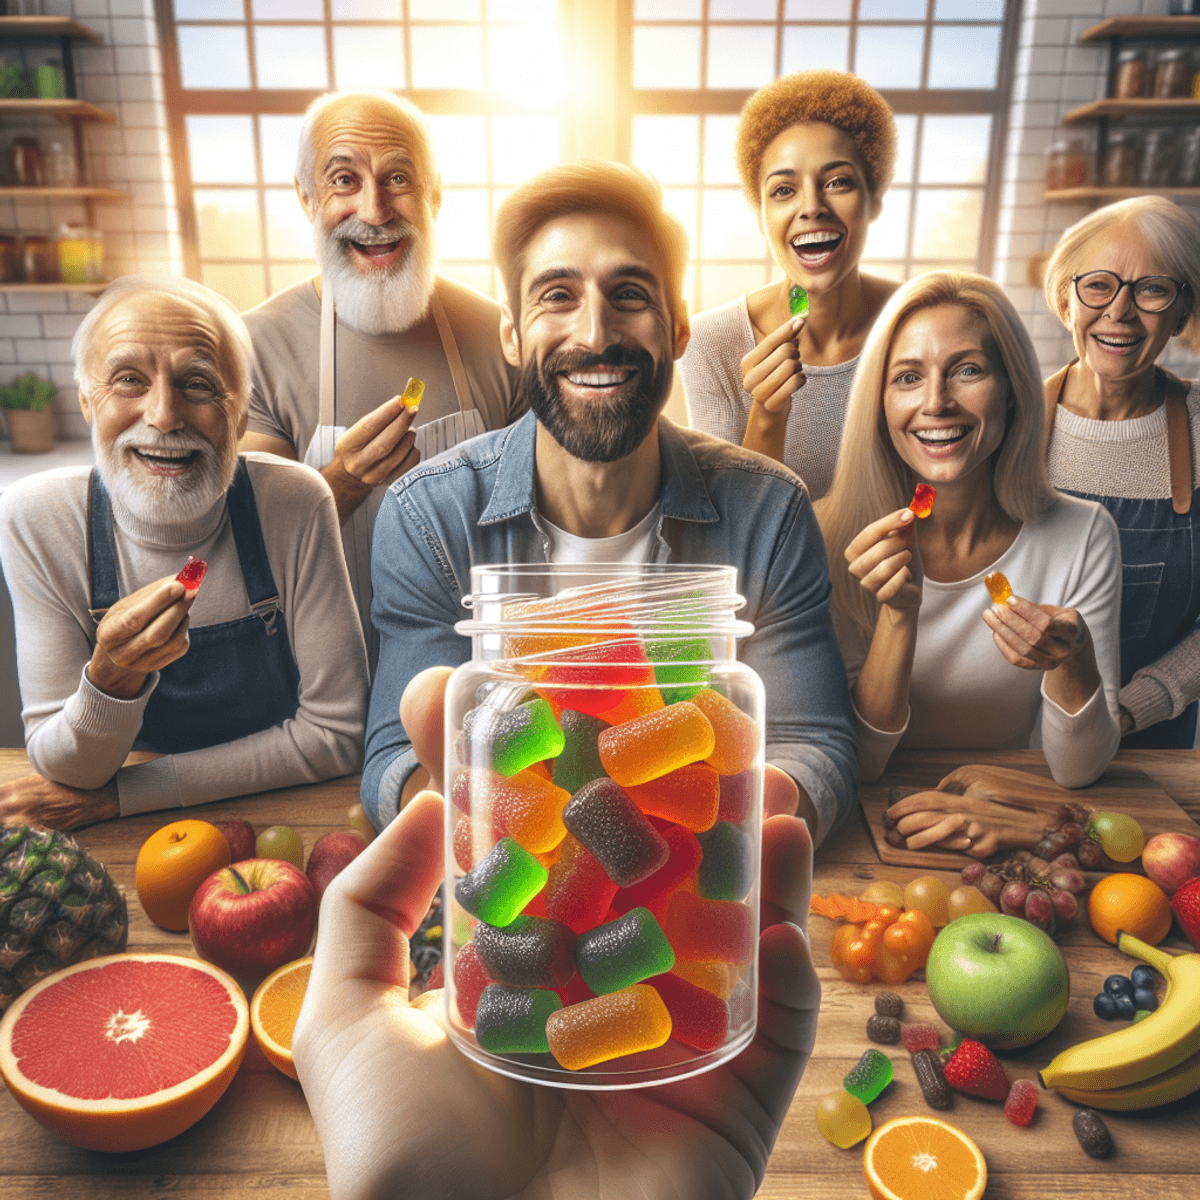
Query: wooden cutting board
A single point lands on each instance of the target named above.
(1120, 789)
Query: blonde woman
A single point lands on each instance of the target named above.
(1126, 433)
(947, 394)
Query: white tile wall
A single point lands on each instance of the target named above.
(124, 76)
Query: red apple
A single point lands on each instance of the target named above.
(331, 853)
(240, 836)
(1171, 859)
(251, 918)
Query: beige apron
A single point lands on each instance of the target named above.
(432, 438)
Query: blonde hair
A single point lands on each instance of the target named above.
(1171, 235)
(871, 479)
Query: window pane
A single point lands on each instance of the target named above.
(682, 202)
(209, 10)
(888, 234)
(288, 10)
(720, 283)
(667, 147)
(817, 10)
(719, 166)
(444, 10)
(968, 10)
(947, 224)
(889, 270)
(228, 223)
(522, 146)
(242, 285)
(446, 57)
(816, 46)
(290, 56)
(741, 56)
(221, 149)
(280, 141)
(368, 57)
(289, 234)
(906, 141)
(285, 274)
(741, 10)
(891, 10)
(460, 144)
(955, 149)
(367, 10)
(667, 10)
(214, 57)
(463, 224)
(474, 275)
(526, 60)
(729, 228)
(964, 56)
(522, 10)
(666, 58)
(889, 56)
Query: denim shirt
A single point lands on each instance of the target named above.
(475, 505)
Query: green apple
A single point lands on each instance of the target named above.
(281, 841)
(997, 979)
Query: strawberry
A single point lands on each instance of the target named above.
(1185, 904)
(974, 1069)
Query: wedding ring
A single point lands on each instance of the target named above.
(970, 839)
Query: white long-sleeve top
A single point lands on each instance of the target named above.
(966, 693)
(80, 736)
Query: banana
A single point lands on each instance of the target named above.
(1174, 1084)
(1164, 1040)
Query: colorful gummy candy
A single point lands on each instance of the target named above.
(655, 891)
(843, 1119)
(737, 736)
(509, 741)
(579, 891)
(716, 977)
(623, 952)
(497, 888)
(710, 929)
(414, 390)
(1022, 1101)
(526, 806)
(579, 761)
(470, 978)
(726, 871)
(512, 1020)
(922, 501)
(528, 952)
(920, 1037)
(998, 587)
(797, 301)
(663, 741)
(192, 573)
(699, 1018)
(737, 791)
(869, 1076)
(593, 678)
(605, 820)
(623, 1022)
(689, 796)
(680, 666)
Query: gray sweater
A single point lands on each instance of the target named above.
(80, 736)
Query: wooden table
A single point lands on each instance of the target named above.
(259, 1141)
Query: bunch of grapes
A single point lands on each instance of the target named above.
(1069, 836)
(1027, 886)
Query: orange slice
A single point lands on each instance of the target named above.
(274, 1009)
(923, 1158)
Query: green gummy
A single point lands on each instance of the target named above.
(798, 301)
(499, 886)
(520, 737)
(869, 1076)
(727, 869)
(579, 762)
(512, 1020)
(623, 952)
(680, 666)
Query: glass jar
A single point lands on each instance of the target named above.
(1130, 83)
(604, 761)
(41, 259)
(1188, 174)
(1066, 165)
(28, 168)
(80, 259)
(1173, 74)
(1122, 159)
(1157, 164)
(11, 267)
(60, 168)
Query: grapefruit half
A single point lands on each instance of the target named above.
(126, 1051)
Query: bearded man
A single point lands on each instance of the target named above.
(594, 320)
(334, 352)
(250, 677)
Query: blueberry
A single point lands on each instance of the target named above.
(1119, 985)
(1125, 1007)
(1145, 998)
(1144, 977)
(1104, 1006)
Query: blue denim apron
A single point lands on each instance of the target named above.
(237, 677)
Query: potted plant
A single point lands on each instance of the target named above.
(30, 418)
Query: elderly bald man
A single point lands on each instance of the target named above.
(256, 678)
(334, 352)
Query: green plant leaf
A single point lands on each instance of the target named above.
(27, 392)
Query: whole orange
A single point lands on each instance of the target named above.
(1132, 903)
(172, 863)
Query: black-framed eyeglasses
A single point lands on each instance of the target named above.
(1151, 293)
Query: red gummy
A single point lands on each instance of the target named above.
(655, 892)
(579, 890)
(192, 575)
(710, 929)
(922, 501)
(919, 1037)
(698, 1018)
(1022, 1101)
(736, 791)
(470, 978)
(688, 796)
(592, 679)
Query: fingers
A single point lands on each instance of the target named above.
(922, 802)
(422, 713)
(886, 529)
(1016, 638)
(950, 824)
(780, 793)
(787, 851)
(145, 637)
(368, 428)
(779, 338)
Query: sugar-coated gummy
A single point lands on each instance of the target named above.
(843, 1119)
(920, 1037)
(579, 890)
(998, 587)
(624, 1022)
(1022, 1101)
(501, 884)
(737, 792)
(526, 806)
(689, 796)
(636, 702)
(1092, 1133)
(710, 929)
(726, 871)
(638, 751)
(509, 741)
(531, 952)
(512, 1020)
(928, 1069)
(884, 1030)
(716, 977)
(602, 817)
(889, 1004)
(192, 573)
(623, 952)
(869, 1076)
(655, 891)
(681, 666)
(593, 678)
(699, 1018)
(579, 762)
(470, 978)
(736, 735)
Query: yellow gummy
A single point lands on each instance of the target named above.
(643, 749)
(414, 389)
(716, 977)
(998, 587)
(624, 1022)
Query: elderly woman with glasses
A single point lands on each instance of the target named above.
(1123, 431)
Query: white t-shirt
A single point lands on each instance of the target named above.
(965, 693)
(635, 545)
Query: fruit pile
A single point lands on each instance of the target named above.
(1029, 887)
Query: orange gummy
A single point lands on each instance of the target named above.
(690, 796)
(525, 807)
(737, 735)
(624, 1022)
(640, 750)
(998, 587)
(922, 501)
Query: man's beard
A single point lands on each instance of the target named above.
(601, 430)
(389, 299)
(165, 499)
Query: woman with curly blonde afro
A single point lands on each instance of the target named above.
(815, 151)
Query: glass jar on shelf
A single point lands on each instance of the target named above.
(29, 169)
(80, 255)
(59, 163)
(1173, 74)
(1122, 159)
(1188, 173)
(41, 259)
(1130, 82)
(1067, 165)
(1157, 166)
(12, 269)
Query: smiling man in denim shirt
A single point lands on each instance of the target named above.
(593, 269)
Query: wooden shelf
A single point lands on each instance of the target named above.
(93, 289)
(1118, 193)
(45, 27)
(1098, 109)
(1147, 27)
(61, 193)
(64, 110)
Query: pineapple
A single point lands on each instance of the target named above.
(57, 906)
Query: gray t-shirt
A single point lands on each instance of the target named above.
(718, 404)
(286, 331)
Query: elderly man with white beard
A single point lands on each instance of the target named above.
(254, 678)
(334, 352)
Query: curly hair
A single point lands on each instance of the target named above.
(834, 98)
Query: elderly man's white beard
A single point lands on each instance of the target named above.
(386, 301)
(165, 499)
